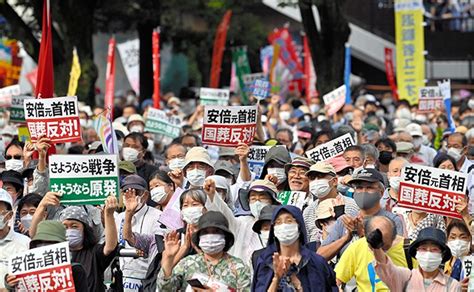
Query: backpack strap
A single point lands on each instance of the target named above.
(406, 246)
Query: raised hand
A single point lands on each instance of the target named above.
(172, 244)
(242, 151)
(131, 200)
(281, 264)
(110, 205)
(209, 188)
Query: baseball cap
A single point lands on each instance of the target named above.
(134, 181)
(367, 175)
(339, 163)
(5, 197)
(222, 165)
(414, 130)
(321, 167)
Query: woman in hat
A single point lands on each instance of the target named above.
(213, 267)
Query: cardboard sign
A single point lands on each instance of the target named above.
(84, 179)
(6, 94)
(335, 100)
(157, 121)
(297, 199)
(214, 96)
(46, 268)
(330, 149)
(432, 190)
(17, 110)
(56, 118)
(229, 125)
(430, 99)
(256, 158)
(261, 88)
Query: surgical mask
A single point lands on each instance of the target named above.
(2, 222)
(14, 164)
(158, 194)
(426, 142)
(176, 163)
(151, 145)
(366, 200)
(285, 115)
(428, 261)
(395, 182)
(130, 154)
(136, 128)
(385, 157)
(320, 188)
(287, 234)
(417, 142)
(256, 208)
(75, 238)
(212, 243)
(196, 177)
(459, 247)
(26, 220)
(314, 108)
(454, 153)
(191, 215)
(83, 123)
(264, 235)
(278, 172)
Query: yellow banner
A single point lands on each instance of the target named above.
(74, 75)
(410, 46)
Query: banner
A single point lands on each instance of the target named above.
(56, 118)
(309, 72)
(17, 108)
(287, 53)
(45, 77)
(10, 62)
(347, 73)
(445, 88)
(432, 190)
(335, 100)
(214, 96)
(430, 99)
(229, 125)
(410, 45)
(293, 198)
(110, 79)
(256, 158)
(266, 55)
(6, 94)
(390, 72)
(105, 131)
(46, 268)
(467, 262)
(129, 52)
(158, 122)
(74, 75)
(218, 50)
(242, 67)
(261, 89)
(156, 68)
(331, 149)
(84, 179)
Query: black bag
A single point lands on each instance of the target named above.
(149, 283)
(117, 276)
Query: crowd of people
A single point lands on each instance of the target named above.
(350, 234)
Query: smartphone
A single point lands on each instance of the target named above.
(196, 283)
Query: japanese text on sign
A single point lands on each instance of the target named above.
(256, 158)
(160, 123)
(17, 110)
(214, 96)
(249, 79)
(430, 99)
(261, 88)
(297, 199)
(6, 94)
(335, 100)
(330, 149)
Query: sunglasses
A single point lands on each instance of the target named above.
(9, 157)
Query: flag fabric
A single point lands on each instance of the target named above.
(156, 68)
(347, 73)
(74, 75)
(390, 72)
(129, 53)
(445, 88)
(45, 79)
(309, 72)
(218, 51)
(105, 131)
(242, 67)
(110, 78)
(266, 55)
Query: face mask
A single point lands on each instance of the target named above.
(320, 188)
(176, 163)
(191, 215)
(278, 172)
(130, 154)
(366, 200)
(3, 223)
(428, 261)
(273, 121)
(459, 247)
(14, 164)
(256, 208)
(212, 243)
(26, 221)
(395, 183)
(455, 153)
(136, 128)
(417, 142)
(196, 177)
(285, 115)
(379, 113)
(151, 145)
(74, 237)
(385, 157)
(264, 235)
(287, 234)
(426, 142)
(158, 194)
(314, 108)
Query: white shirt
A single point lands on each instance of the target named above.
(12, 244)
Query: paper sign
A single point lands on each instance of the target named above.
(57, 118)
(256, 158)
(261, 88)
(430, 99)
(6, 94)
(249, 79)
(467, 262)
(330, 149)
(17, 109)
(335, 100)
(432, 190)
(229, 125)
(46, 268)
(171, 216)
(297, 199)
(158, 122)
(214, 96)
(23, 134)
(84, 179)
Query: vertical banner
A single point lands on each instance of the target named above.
(242, 67)
(156, 68)
(218, 51)
(445, 88)
(45, 77)
(309, 72)
(74, 75)
(273, 65)
(266, 55)
(129, 52)
(110, 78)
(390, 72)
(410, 45)
(347, 73)
(105, 131)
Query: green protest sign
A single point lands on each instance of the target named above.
(242, 67)
(84, 179)
(214, 96)
(17, 111)
(159, 123)
(297, 199)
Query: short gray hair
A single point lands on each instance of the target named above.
(371, 150)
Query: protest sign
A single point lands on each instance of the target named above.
(261, 88)
(55, 118)
(467, 262)
(6, 94)
(214, 96)
(256, 158)
(430, 99)
(297, 199)
(330, 149)
(249, 79)
(17, 109)
(229, 125)
(335, 100)
(23, 134)
(46, 268)
(84, 179)
(157, 121)
(432, 190)
(129, 52)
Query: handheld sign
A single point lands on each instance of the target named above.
(157, 121)
(430, 99)
(256, 158)
(84, 179)
(297, 199)
(335, 100)
(214, 96)
(46, 268)
(330, 149)
(261, 88)
(17, 110)
(432, 190)
(229, 125)
(6, 94)
(55, 118)
(249, 79)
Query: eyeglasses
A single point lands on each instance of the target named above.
(300, 172)
(9, 157)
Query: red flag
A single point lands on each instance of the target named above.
(110, 78)
(45, 79)
(218, 51)
(389, 72)
(156, 68)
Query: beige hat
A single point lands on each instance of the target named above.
(401, 125)
(134, 118)
(404, 147)
(414, 130)
(322, 167)
(197, 154)
(175, 100)
(461, 129)
(325, 209)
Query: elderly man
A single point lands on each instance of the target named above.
(354, 156)
(457, 148)
(424, 152)
(197, 166)
(174, 156)
(296, 173)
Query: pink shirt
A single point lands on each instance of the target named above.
(397, 278)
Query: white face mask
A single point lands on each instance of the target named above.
(417, 142)
(158, 194)
(196, 177)
(151, 145)
(256, 208)
(314, 108)
(130, 154)
(285, 115)
(212, 243)
(287, 234)
(26, 220)
(428, 261)
(459, 247)
(136, 128)
(395, 182)
(455, 153)
(264, 235)
(176, 163)
(426, 142)
(191, 215)
(278, 172)
(320, 188)
(14, 164)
